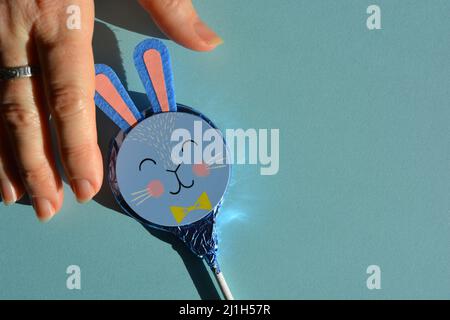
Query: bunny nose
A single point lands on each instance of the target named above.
(155, 188)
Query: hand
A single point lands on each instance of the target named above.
(34, 32)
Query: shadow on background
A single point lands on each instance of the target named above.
(127, 15)
(106, 51)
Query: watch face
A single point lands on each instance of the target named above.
(172, 168)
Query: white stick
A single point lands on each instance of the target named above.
(224, 286)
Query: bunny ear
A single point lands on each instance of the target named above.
(152, 61)
(112, 98)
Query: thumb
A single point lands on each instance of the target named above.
(180, 22)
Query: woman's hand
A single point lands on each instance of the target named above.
(35, 33)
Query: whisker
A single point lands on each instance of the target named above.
(138, 197)
(140, 191)
(217, 167)
(214, 158)
(146, 198)
(215, 161)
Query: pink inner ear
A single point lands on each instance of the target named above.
(106, 89)
(153, 62)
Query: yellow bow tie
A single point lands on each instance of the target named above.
(202, 203)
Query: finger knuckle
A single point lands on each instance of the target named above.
(79, 153)
(17, 116)
(68, 103)
(37, 173)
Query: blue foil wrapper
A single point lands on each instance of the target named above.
(200, 236)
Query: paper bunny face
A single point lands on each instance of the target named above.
(165, 172)
(160, 189)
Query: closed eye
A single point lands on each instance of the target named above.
(187, 141)
(145, 160)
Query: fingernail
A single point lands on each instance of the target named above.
(43, 209)
(206, 34)
(83, 190)
(7, 192)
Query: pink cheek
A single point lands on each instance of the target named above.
(201, 169)
(155, 188)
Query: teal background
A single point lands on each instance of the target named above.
(364, 162)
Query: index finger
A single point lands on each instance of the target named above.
(179, 20)
(68, 65)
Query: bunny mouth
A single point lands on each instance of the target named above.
(180, 184)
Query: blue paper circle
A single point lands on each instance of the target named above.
(145, 155)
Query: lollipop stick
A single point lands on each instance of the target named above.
(223, 286)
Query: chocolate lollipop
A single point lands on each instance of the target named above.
(168, 166)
